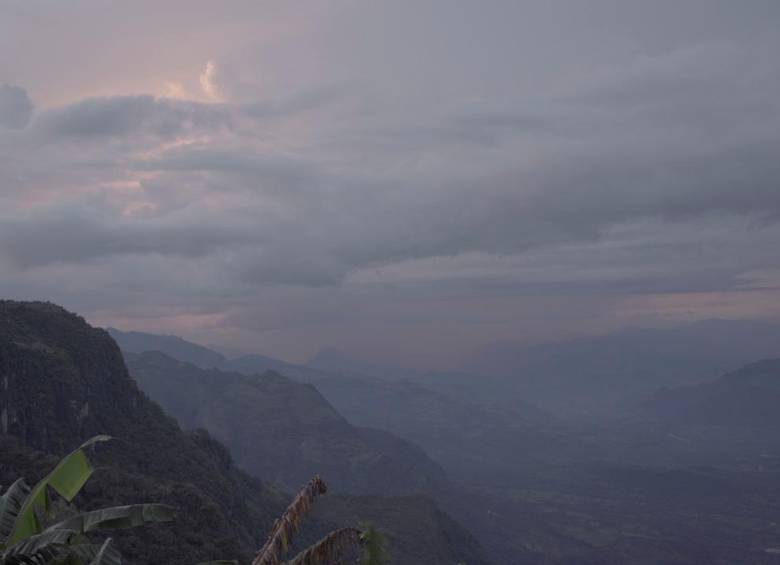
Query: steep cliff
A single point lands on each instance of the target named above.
(62, 381)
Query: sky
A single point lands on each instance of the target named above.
(406, 180)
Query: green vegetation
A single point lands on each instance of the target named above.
(374, 547)
(77, 387)
(25, 540)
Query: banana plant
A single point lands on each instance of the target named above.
(24, 539)
(327, 550)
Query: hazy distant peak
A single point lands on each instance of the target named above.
(174, 346)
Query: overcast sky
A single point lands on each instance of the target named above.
(407, 180)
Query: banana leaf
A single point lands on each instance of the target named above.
(10, 505)
(116, 517)
(67, 479)
(46, 543)
(107, 555)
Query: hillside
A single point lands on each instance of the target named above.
(64, 381)
(692, 477)
(284, 431)
(459, 420)
(176, 347)
(601, 375)
(748, 397)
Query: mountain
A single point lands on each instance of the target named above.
(603, 374)
(176, 347)
(731, 423)
(208, 358)
(458, 419)
(469, 437)
(63, 382)
(748, 397)
(283, 430)
(648, 485)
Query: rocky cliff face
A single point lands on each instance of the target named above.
(62, 381)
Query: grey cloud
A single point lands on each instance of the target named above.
(288, 172)
(299, 267)
(38, 242)
(292, 105)
(538, 147)
(487, 129)
(15, 107)
(120, 116)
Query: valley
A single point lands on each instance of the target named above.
(658, 481)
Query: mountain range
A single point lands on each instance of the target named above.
(600, 375)
(64, 381)
(284, 431)
(681, 469)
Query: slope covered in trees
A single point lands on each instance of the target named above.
(284, 431)
(64, 381)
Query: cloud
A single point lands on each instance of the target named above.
(124, 116)
(208, 81)
(620, 160)
(36, 242)
(15, 107)
(491, 182)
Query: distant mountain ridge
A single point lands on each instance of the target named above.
(748, 397)
(283, 430)
(601, 374)
(637, 487)
(451, 416)
(176, 347)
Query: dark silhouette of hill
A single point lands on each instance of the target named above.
(64, 381)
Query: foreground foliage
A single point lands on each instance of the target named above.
(329, 549)
(374, 550)
(24, 539)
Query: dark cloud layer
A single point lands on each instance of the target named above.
(122, 116)
(41, 241)
(15, 107)
(343, 166)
